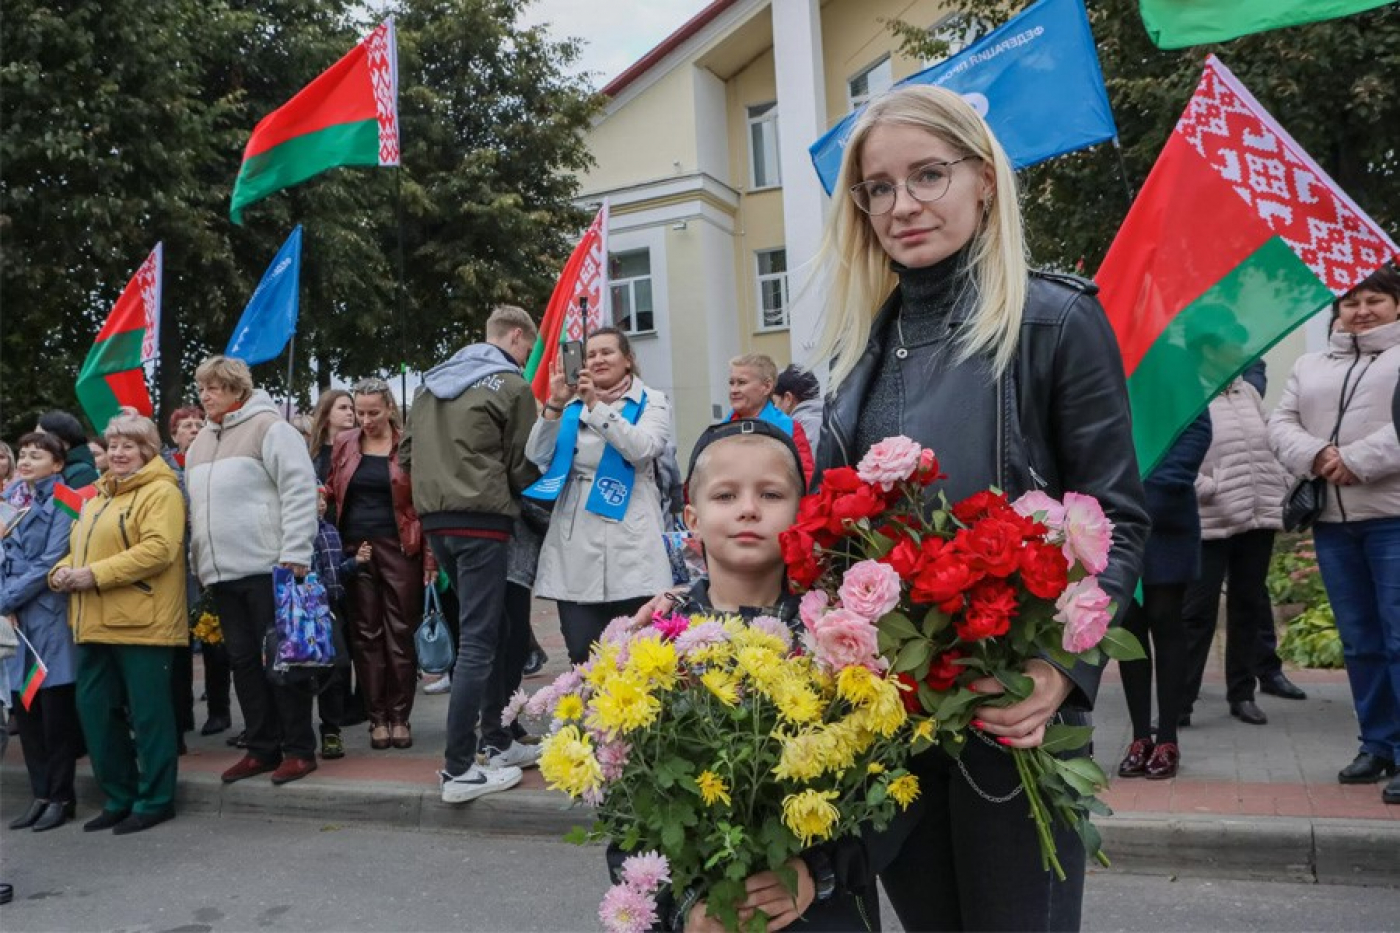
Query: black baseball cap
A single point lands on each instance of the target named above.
(738, 428)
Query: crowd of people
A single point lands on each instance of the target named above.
(936, 328)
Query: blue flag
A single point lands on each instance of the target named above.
(271, 316)
(1035, 79)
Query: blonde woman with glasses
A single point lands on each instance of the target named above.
(936, 328)
(374, 505)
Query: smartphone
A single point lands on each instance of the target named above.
(573, 361)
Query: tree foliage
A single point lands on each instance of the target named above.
(1331, 85)
(122, 124)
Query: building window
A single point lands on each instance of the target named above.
(763, 146)
(629, 279)
(872, 82)
(772, 289)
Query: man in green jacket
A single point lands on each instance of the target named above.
(464, 446)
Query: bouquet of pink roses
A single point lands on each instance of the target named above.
(957, 593)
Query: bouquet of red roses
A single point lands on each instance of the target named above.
(962, 592)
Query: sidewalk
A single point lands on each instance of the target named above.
(1253, 802)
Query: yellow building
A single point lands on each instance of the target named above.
(716, 210)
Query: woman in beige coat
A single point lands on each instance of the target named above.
(1240, 491)
(604, 555)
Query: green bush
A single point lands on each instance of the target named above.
(1293, 575)
(1311, 639)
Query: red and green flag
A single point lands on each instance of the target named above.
(1176, 24)
(1236, 238)
(347, 116)
(114, 372)
(34, 676)
(585, 275)
(70, 501)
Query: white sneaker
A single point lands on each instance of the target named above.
(477, 782)
(519, 755)
(440, 686)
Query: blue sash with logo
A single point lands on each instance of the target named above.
(612, 486)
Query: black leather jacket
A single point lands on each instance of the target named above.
(1062, 422)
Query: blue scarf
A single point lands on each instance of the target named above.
(773, 415)
(612, 486)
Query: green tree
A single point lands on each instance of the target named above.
(1332, 86)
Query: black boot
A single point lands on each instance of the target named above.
(55, 815)
(30, 816)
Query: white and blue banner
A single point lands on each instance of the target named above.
(270, 318)
(1035, 79)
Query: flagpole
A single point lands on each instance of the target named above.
(1123, 171)
(399, 291)
(291, 355)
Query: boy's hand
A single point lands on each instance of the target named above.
(363, 555)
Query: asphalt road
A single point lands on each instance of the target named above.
(207, 875)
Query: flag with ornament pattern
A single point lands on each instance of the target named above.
(114, 375)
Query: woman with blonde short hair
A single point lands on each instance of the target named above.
(936, 328)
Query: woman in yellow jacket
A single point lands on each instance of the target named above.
(125, 570)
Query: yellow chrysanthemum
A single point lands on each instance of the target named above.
(712, 788)
(724, 685)
(747, 637)
(796, 702)
(923, 730)
(848, 742)
(623, 705)
(654, 660)
(858, 685)
(570, 706)
(874, 768)
(886, 711)
(720, 654)
(761, 665)
(604, 666)
(804, 755)
(904, 789)
(568, 763)
(810, 814)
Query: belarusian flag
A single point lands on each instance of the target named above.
(36, 675)
(585, 275)
(113, 374)
(1175, 24)
(347, 116)
(1237, 238)
(70, 501)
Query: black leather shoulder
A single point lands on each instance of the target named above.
(1051, 296)
(1085, 286)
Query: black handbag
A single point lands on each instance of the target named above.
(1304, 504)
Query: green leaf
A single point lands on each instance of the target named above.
(1063, 738)
(935, 621)
(898, 625)
(1121, 645)
(1083, 774)
(913, 654)
(1018, 686)
(578, 836)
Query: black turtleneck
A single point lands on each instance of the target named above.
(927, 297)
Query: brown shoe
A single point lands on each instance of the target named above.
(293, 769)
(1165, 760)
(1134, 764)
(248, 766)
(400, 735)
(379, 736)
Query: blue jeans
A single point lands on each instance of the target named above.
(478, 570)
(1360, 563)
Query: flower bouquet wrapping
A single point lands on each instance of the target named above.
(960, 593)
(715, 748)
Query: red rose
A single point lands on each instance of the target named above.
(905, 557)
(943, 582)
(909, 694)
(928, 473)
(979, 505)
(943, 673)
(799, 553)
(841, 479)
(991, 606)
(864, 502)
(813, 513)
(992, 545)
(1044, 570)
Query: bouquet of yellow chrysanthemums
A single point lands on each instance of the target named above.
(204, 621)
(715, 748)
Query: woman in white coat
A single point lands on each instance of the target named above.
(597, 443)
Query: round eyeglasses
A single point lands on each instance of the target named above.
(926, 183)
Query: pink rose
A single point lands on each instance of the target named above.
(1036, 503)
(1083, 609)
(1088, 532)
(843, 639)
(891, 461)
(870, 589)
(812, 608)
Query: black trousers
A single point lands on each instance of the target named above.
(583, 623)
(1251, 646)
(963, 862)
(1158, 626)
(52, 738)
(515, 647)
(277, 720)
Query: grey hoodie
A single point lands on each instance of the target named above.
(468, 366)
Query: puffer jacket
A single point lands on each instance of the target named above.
(132, 537)
(1301, 426)
(1060, 415)
(1241, 485)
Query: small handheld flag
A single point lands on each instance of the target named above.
(35, 676)
(70, 501)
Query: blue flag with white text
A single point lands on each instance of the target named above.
(271, 316)
(1035, 79)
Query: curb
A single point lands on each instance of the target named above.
(1287, 849)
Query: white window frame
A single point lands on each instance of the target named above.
(860, 100)
(760, 279)
(630, 283)
(769, 116)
